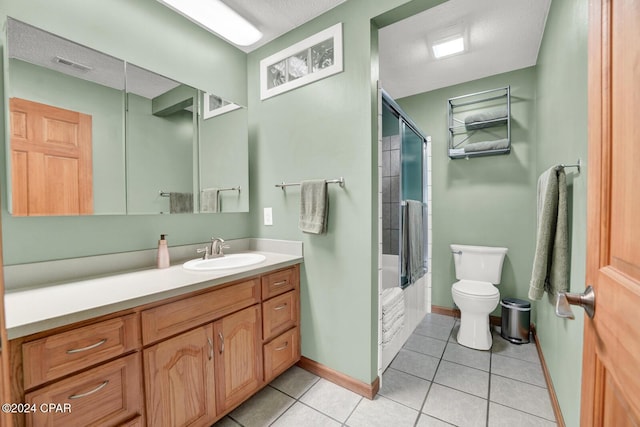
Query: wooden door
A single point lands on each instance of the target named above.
(238, 356)
(179, 380)
(611, 363)
(51, 160)
(5, 396)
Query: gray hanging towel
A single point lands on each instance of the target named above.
(314, 206)
(210, 200)
(550, 262)
(180, 202)
(412, 241)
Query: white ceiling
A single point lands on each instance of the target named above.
(503, 35)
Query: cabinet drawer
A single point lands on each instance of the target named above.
(106, 395)
(279, 314)
(175, 317)
(281, 353)
(279, 282)
(52, 357)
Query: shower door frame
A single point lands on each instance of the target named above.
(405, 120)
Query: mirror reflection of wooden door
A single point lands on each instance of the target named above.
(51, 160)
(611, 363)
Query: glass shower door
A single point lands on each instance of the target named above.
(413, 183)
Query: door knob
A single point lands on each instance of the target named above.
(586, 300)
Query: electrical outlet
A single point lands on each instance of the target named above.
(268, 216)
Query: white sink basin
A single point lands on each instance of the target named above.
(224, 262)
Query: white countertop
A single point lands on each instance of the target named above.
(34, 310)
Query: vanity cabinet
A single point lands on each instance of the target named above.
(106, 395)
(92, 375)
(280, 321)
(198, 355)
(239, 357)
(180, 381)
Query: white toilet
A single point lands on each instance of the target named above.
(478, 269)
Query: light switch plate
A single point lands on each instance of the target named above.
(268, 216)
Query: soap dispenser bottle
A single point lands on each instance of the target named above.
(163, 252)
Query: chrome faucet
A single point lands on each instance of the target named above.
(217, 245)
(214, 250)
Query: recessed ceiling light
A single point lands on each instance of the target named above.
(217, 17)
(448, 47)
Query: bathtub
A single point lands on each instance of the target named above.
(390, 271)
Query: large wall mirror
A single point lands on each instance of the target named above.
(90, 134)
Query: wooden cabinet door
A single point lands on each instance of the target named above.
(179, 380)
(238, 356)
(51, 160)
(611, 360)
(5, 396)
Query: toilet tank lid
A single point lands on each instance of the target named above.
(482, 249)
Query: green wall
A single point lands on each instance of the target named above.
(159, 155)
(487, 201)
(561, 113)
(224, 158)
(165, 43)
(472, 198)
(325, 130)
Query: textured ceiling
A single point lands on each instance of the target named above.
(39, 47)
(503, 35)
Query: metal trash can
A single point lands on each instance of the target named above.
(516, 320)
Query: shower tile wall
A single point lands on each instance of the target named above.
(390, 194)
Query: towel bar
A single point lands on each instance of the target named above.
(329, 181)
(577, 165)
(238, 189)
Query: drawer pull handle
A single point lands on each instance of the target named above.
(280, 307)
(282, 347)
(210, 348)
(100, 387)
(89, 347)
(281, 282)
(221, 342)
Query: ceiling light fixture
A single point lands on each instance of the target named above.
(217, 17)
(448, 47)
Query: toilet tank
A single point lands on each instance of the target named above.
(481, 263)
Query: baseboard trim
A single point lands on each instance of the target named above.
(363, 389)
(454, 312)
(547, 377)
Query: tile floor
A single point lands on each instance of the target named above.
(433, 381)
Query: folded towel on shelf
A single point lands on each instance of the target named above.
(314, 206)
(550, 262)
(487, 145)
(210, 200)
(390, 334)
(391, 297)
(180, 202)
(412, 262)
(479, 120)
(391, 318)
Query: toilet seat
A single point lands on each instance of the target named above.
(475, 289)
